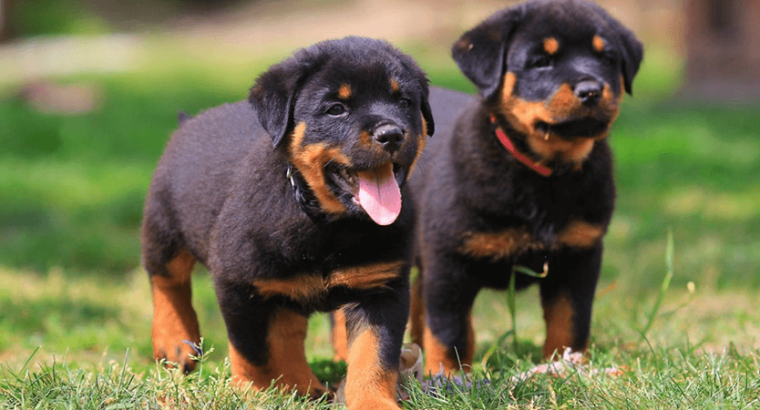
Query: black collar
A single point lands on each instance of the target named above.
(305, 198)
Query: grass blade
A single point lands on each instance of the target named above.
(511, 294)
(530, 272)
(669, 250)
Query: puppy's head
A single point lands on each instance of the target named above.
(352, 116)
(553, 72)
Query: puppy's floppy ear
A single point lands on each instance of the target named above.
(631, 50)
(274, 94)
(633, 53)
(427, 115)
(481, 52)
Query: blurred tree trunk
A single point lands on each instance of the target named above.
(5, 20)
(723, 49)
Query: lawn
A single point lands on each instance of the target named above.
(75, 307)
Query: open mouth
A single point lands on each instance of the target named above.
(581, 128)
(376, 190)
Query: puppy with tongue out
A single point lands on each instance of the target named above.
(356, 167)
(379, 194)
(349, 131)
(293, 200)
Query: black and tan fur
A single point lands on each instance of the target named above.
(280, 229)
(551, 75)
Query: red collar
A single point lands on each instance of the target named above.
(507, 143)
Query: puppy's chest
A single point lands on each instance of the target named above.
(497, 243)
(524, 216)
(314, 288)
(342, 264)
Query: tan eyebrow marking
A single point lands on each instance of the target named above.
(344, 92)
(598, 43)
(551, 45)
(394, 85)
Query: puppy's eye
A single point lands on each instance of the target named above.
(540, 62)
(609, 59)
(336, 110)
(405, 103)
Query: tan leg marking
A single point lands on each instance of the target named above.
(558, 315)
(339, 336)
(368, 385)
(417, 314)
(287, 358)
(436, 353)
(174, 319)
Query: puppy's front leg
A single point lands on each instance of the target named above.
(266, 342)
(375, 334)
(567, 295)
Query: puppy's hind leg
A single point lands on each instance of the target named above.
(175, 323)
(449, 337)
(339, 336)
(417, 315)
(174, 320)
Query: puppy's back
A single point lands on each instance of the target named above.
(446, 106)
(198, 168)
(213, 141)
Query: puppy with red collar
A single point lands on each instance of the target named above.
(521, 175)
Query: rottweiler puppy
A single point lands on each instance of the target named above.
(293, 200)
(521, 175)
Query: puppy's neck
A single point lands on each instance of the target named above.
(549, 154)
(305, 198)
(507, 143)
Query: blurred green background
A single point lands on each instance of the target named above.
(90, 91)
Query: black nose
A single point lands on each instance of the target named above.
(389, 136)
(589, 92)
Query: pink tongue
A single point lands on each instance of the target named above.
(379, 194)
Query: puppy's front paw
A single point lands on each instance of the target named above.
(176, 348)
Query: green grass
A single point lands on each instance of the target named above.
(700, 343)
(657, 378)
(44, 17)
(75, 307)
